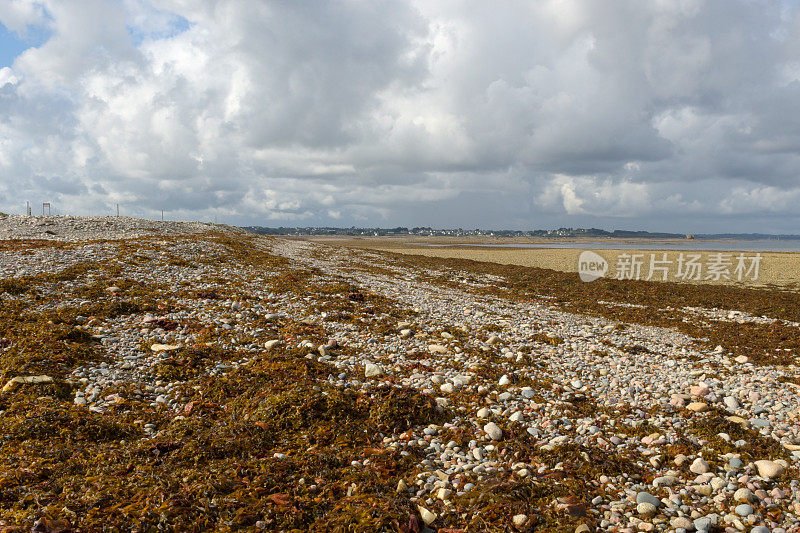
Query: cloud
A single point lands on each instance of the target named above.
(394, 112)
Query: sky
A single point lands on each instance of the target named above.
(660, 115)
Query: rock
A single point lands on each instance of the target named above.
(583, 528)
(665, 481)
(699, 466)
(697, 407)
(742, 359)
(702, 524)
(516, 417)
(680, 459)
(444, 494)
(447, 388)
(504, 380)
(519, 519)
(731, 402)
(437, 348)
(371, 370)
(744, 509)
(405, 333)
(760, 529)
(701, 389)
(760, 423)
(494, 432)
(427, 516)
(744, 495)
(646, 509)
(676, 400)
(164, 347)
(769, 469)
(682, 522)
(402, 486)
(484, 412)
(646, 497)
(269, 345)
(13, 383)
(737, 420)
(494, 339)
(703, 489)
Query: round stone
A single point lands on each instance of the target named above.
(744, 509)
(493, 430)
(697, 407)
(769, 469)
(646, 509)
(699, 466)
(646, 497)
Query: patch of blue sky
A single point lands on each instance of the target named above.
(12, 45)
(176, 25)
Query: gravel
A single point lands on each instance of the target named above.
(499, 371)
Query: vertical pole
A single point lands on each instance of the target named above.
(118, 210)
(162, 215)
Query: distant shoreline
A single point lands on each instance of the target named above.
(778, 269)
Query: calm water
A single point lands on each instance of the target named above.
(765, 245)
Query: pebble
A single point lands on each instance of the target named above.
(646, 509)
(769, 469)
(372, 370)
(744, 509)
(427, 516)
(698, 407)
(702, 524)
(681, 522)
(699, 466)
(646, 497)
(594, 365)
(493, 430)
(519, 519)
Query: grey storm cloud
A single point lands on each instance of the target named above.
(621, 113)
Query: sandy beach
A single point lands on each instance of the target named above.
(776, 269)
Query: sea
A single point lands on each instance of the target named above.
(723, 245)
